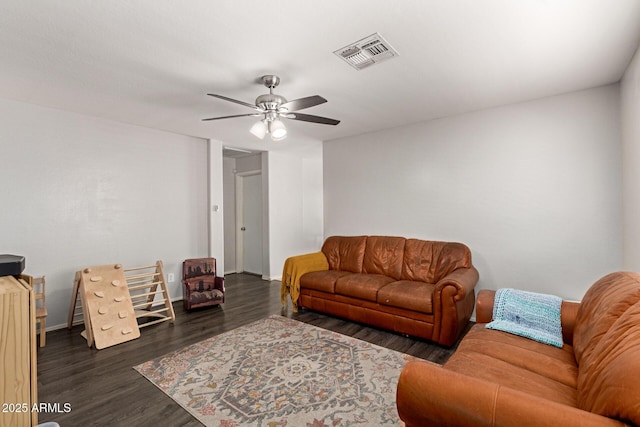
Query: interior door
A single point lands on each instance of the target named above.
(251, 227)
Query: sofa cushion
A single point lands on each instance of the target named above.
(383, 255)
(363, 286)
(608, 384)
(412, 295)
(607, 347)
(324, 281)
(601, 307)
(518, 363)
(429, 261)
(345, 252)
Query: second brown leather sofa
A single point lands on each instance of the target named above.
(498, 379)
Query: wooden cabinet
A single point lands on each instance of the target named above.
(18, 380)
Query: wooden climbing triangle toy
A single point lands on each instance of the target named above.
(107, 308)
(115, 302)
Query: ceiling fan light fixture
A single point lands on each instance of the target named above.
(259, 129)
(277, 130)
(272, 107)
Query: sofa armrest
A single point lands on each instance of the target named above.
(294, 268)
(430, 395)
(463, 279)
(568, 313)
(453, 299)
(220, 285)
(484, 305)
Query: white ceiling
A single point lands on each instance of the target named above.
(151, 62)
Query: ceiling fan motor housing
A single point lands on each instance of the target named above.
(270, 101)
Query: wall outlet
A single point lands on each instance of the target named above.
(170, 278)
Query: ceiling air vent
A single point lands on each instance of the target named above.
(366, 52)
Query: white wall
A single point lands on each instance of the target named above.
(295, 187)
(229, 182)
(630, 100)
(249, 163)
(78, 191)
(215, 196)
(533, 189)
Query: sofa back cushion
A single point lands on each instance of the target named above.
(429, 261)
(602, 305)
(607, 348)
(345, 252)
(383, 255)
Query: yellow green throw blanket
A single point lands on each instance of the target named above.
(294, 268)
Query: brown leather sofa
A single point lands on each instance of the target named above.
(498, 379)
(416, 287)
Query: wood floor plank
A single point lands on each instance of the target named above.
(102, 389)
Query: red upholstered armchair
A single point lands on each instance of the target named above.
(202, 288)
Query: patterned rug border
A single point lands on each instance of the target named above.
(169, 379)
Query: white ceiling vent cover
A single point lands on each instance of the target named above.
(366, 52)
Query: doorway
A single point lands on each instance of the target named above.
(249, 223)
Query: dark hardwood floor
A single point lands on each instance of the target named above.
(101, 388)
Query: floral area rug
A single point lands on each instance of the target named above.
(281, 372)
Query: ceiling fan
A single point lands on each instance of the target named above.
(272, 108)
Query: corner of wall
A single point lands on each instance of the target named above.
(215, 206)
(630, 133)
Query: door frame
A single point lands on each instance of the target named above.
(239, 216)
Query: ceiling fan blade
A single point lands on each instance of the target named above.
(231, 117)
(302, 103)
(246, 104)
(311, 118)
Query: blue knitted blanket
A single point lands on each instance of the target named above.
(528, 314)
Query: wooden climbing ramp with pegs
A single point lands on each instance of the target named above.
(106, 306)
(114, 302)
